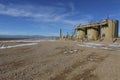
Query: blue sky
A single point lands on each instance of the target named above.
(46, 17)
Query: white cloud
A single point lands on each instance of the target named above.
(73, 22)
(20, 11)
(44, 13)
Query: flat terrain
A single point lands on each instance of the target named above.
(3, 39)
(59, 60)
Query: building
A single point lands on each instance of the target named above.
(102, 30)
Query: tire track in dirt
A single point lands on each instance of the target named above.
(86, 74)
(62, 76)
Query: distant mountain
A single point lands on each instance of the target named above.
(26, 36)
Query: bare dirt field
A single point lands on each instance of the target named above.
(59, 60)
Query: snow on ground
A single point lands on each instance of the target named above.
(93, 45)
(31, 42)
(114, 45)
(20, 45)
(71, 51)
(109, 46)
(34, 41)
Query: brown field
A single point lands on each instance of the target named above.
(59, 60)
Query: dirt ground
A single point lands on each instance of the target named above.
(59, 60)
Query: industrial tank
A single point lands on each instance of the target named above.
(111, 30)
(80, 33)
(92, 33)
(116, 29)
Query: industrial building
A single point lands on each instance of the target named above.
(102, 30)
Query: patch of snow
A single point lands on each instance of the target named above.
(111, 46)
(71, 51)
(105, 48)
(81, 45)
(34, 41)
(20, 45)
(114, 45)
(65, 52)
(93, 44)
(75, 50)
(22, 41)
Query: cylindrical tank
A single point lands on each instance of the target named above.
(80, 33)
(111, 30)
(92, 33)
(114, 28)
(116, 35)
